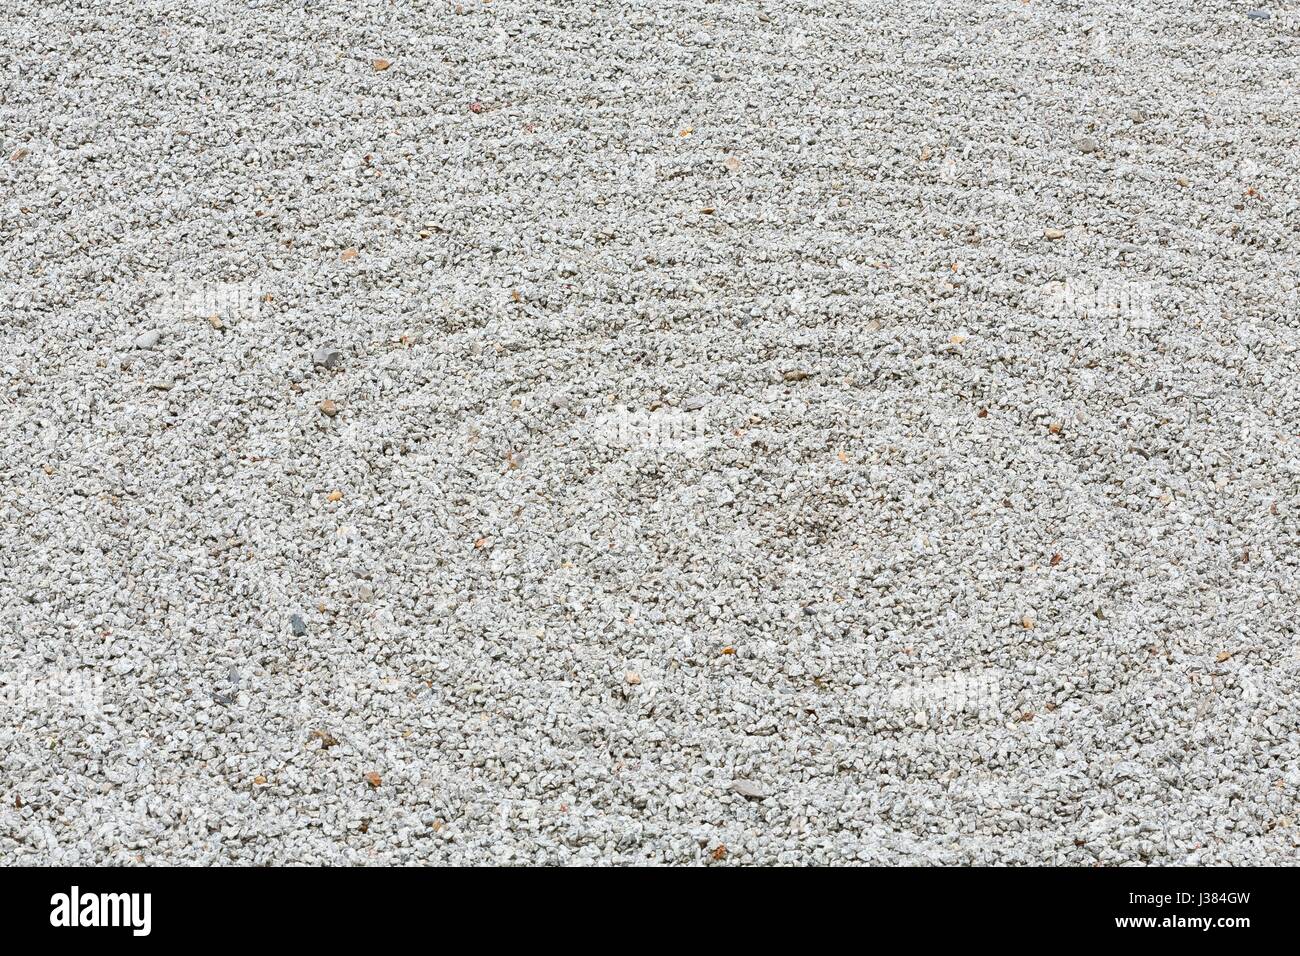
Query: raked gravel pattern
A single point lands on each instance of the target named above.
(690, 432)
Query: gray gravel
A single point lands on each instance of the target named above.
(697, 432)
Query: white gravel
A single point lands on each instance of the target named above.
(677, 432)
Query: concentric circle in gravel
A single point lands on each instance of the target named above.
(692, 433)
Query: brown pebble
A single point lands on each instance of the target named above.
(328, 408)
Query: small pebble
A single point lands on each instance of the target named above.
(750, 790)
(327, 357)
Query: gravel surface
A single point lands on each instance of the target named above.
(693, 432)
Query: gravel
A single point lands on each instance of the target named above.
(693, 433)
(327, 357)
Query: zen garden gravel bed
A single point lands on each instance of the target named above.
(693, 432)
